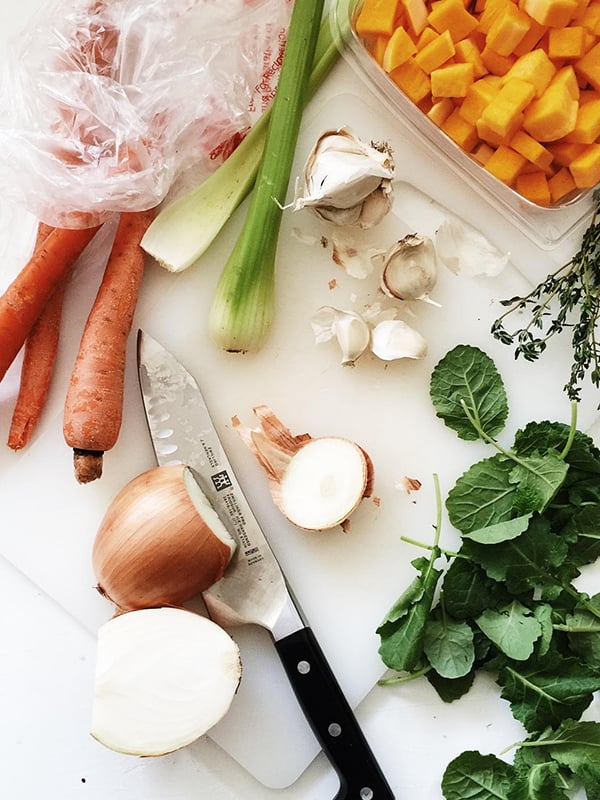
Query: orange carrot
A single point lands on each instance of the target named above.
(38, 361)
(25, 298)
(94, 403)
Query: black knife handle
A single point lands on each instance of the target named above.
(332, 718)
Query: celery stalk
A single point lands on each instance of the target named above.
(243, 306)
(185, 229)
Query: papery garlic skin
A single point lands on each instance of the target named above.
(347, 181)
(347, 327)
(466, 251)
(410, 268)
(394, 339)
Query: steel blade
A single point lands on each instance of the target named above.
(253, 589)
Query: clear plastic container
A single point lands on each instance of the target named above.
(546, 227)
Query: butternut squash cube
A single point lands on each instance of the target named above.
(553, 115)
(452, 80)
(505, 164)
(585, 169)
(400, 47)
(561, 184)
(535, 67)
(503, 115)
(451, 15)
(467, 51)
(416, 15)
(531, 39)
(566, 42)
(564, 152)
(588, 67)
(376, 18)
(436, 53)
(479, 95)
(587, 126)
(507, 30)
(415, 83)
(496, 63)
(441, 110)
(590, 18)
(492, 10)
(534, 187)
(428, 35)
(532, 150)
(553, 13)
(460, 131)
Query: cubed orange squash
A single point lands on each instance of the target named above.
(531, 39)
(553, 115)
(507, 30)
(415, 83)
(482, 152)
(441, 110)
(452, 80)
(590, 18)
(451, 15)
(436, 53)
(505, 164)
(534, 186)
(479, 95)
(400, 47)
(532, 150)
(376, 18)
(553, 13)
(426, 36)
(460, 131)
(535, 68)
(566, 42)
(416, 15)
(492, 9)
(561, 184)
(496, 63)
(503, 115)
(567, 78)
(585, 169)
(588, 67)
(467, 50)
(587, 127)
(564, 152)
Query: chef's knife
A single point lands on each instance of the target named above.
(253, 589)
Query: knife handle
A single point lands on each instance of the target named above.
(331, 718)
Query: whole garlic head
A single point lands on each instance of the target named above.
(348, 182)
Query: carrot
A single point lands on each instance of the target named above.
(94, 402)
(25, 298)
(38, 361)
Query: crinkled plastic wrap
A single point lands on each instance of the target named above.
(105, 103)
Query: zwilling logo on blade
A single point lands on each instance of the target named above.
(221, 480)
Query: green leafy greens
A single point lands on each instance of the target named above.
(529, 518)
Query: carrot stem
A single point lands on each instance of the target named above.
(94, 403)
(26, 297)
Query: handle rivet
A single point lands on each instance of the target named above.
(366, 794)
(334, 729)
(303, 667)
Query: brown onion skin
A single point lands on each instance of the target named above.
(153, 548)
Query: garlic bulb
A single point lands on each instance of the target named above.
(393, 339)
(160, 541)
(410, 269)
(348, 328)
(317, 483)
(464, 250)
(347, 181)
(164, 677)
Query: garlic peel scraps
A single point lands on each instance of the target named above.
(316, 483)
(467, 251)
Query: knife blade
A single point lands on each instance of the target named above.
(254, 589)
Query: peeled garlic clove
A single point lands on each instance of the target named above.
(316, 483)
(465, 250)
(164, 677)
(160, 541)
(410, 269)
(349, 329)
(393, 339)
(347, 181)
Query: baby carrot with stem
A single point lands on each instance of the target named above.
(94, 403)
(26, 297)
(39, 357)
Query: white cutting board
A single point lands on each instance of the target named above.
(344, 582)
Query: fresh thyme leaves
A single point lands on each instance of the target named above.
(567, 298)
(529, 518)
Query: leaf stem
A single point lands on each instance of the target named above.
(411, 676)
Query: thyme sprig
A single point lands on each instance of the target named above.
(569, 297)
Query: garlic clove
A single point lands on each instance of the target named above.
(410, 269)
(164, 677)
(160, 541)
(347, 327)
(465, 250)
(394, 339)
(347, 181)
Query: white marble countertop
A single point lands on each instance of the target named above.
(49, 609)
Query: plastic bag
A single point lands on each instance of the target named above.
(106, 102)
